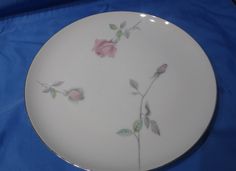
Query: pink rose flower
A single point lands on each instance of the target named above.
(104, 48)
(75, 94)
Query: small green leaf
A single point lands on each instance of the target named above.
(135, 93)
(57, 83)
(155, 127)
(126, 34)
(137, 125)
(125, 132)
(117, 39)
(46, 90)
(123, 24)
(53, 92)
(133, 84)
(113, 26)
(136, 28)
(148, 113)
(119, 33)
(147, 121)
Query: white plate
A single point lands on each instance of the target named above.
(120, 91)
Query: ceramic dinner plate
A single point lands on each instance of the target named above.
(120, 91)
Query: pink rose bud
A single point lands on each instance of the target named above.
(75, 94)
(104, 48)
(161, 69)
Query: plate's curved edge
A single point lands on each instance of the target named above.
(198, 141)
(41, 139)
(187, 151)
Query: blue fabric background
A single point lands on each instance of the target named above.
(211, 22)
(11, 7)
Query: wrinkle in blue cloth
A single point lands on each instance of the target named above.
(211, 23)
(13, 7)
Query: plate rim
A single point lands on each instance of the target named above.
(188, 151)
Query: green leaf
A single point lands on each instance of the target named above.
(117, 39)
(148, 113)
(136, 28)
(155, 127)
(135, 93)
(125, 132)
(53, 92)
(133, 84)
(137, 125)
(147, 121)
(123, 24)
(57, 83)
(46, 90)
(119, 33)
(113, 26)
(126, 34)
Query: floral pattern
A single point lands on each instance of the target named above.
(108, 48)
(75, 95)
(104, 47)
(144, 116)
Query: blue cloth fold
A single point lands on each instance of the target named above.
(13, 7)
(211, 23)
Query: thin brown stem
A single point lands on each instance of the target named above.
(139, 155)
(133, 27)
(138, 137)
(150, 86)
(116, 40)
(48, 86)
(139, 152)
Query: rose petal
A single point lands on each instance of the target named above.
(113, 52)
(104, 48)
(75, 94)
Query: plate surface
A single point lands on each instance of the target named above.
(120, 91)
